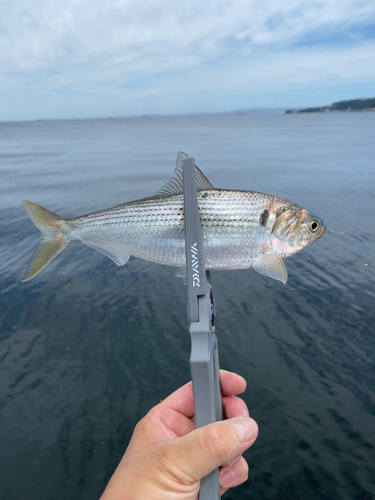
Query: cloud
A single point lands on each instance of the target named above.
(115, 46)
(139, 38)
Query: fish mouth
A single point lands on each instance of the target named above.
(322, 231)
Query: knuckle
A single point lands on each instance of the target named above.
(216, 440)
(141, 425)
(145, 426)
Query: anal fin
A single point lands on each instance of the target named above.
(118, 258)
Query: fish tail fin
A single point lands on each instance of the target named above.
(52, 243)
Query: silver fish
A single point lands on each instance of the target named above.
(241, 229)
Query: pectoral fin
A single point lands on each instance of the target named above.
(271, 265)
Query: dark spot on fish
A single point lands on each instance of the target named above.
(264, 217)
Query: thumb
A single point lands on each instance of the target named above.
(201, 451)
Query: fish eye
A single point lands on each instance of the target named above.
(314, 226)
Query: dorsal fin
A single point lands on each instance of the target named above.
(175, 185)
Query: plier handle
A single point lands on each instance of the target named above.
(204, 356)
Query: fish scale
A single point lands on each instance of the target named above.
(240, 229)
(154, 229)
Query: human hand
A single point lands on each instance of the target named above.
(167, 457)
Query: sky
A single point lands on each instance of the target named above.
(102, 58)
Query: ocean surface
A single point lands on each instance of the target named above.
(87, 348)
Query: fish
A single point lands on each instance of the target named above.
(240, 229)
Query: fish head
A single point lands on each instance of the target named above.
(294, 228)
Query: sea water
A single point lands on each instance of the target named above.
(87, 348)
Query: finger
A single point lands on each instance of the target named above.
(182, 400)
(202, 450)
(233, 475)
(175, 424)
(231, 383)
(234, 407)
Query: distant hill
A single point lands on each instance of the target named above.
(367, 104)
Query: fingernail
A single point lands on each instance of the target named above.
(226, 478)
(246, 428)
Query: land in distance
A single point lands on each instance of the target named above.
(366, 104)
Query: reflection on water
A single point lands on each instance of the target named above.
(87, 348)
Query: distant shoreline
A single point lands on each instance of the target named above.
(366, 104)
(341, 106)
